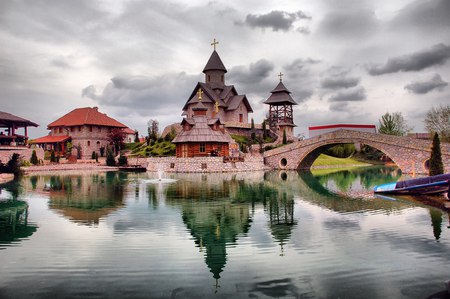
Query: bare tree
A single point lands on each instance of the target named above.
(438, 120)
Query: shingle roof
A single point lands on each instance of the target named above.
(7, 119)
(214, 63)
(202, 132)
(86, 116)
(50, 139)
(280, 95)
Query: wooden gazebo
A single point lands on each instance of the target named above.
(9, 124)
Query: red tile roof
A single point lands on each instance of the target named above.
(86, 116)
(128, 131)
(50, 139)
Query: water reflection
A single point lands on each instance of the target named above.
(84, 199)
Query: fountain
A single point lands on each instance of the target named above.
(161, 178)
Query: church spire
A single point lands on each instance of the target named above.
(214, 69)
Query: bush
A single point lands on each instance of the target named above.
(12, 166)
(110, 160)
(34, 159)
(52, 156)
(122, 160)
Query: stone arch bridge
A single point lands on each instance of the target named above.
(408, 153)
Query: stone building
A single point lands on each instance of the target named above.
(202, 135)
(86, 128)
(280, 110)
(222, 101)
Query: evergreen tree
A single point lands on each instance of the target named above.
(34, 159)
(436, 165)
(52, 156)
(284, 137)
(110, 160)
(264, 129)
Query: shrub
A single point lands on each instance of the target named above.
(52, 156)
(34, 159)
(102, 151)
(110, 160)
(122, 160)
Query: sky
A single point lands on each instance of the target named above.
(347, 61)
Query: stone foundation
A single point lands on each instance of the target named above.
(204, 164)
(24, 152)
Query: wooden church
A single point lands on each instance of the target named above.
(222, 101)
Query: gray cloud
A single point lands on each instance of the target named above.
(349, 24)
(423, 87)
(254, 73)
(276, 19)
(339, 107)
(152, 95)
(436, 55)
(339, 82)
(349, 95)
(424, 14)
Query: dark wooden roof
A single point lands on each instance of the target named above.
(201, 132)
(280, 96)
(214, 63)
(8, 119)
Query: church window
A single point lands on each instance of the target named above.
(221, 78)
(209, 78)
(241, 117)
(202, 147)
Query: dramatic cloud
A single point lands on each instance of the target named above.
(146, 95)
(349, 95)
(277, 20)
(436, 55)
(425, 14)
(340, 82)
(254, 73)
(423, 87)
(349, 24)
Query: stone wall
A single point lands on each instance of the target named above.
(409, 154)
(204, 164)
(24, 152)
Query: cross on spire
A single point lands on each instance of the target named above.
(281, 76)
(214, 43)
(199, 94)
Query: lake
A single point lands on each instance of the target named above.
(232, 235)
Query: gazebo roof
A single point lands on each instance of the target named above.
(7, 119)
(280, 95)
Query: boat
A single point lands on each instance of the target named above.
(428, 185)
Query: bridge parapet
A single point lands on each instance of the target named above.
(408, 153)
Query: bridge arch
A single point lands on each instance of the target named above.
(409, 154)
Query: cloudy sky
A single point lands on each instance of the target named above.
(347, 61)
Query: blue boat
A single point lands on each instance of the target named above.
(428, 185)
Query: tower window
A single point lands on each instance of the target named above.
(202, 148)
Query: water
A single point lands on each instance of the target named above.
(244, 235)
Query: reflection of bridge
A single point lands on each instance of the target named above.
(409, 154)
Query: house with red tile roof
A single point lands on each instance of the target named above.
(86, 128)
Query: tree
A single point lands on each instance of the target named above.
(436, 165)
(116, 137)
(69, 148)
(52, 156)
(110, 160)
(438, 120)
(153, 127)
(284, 137)
(264, 129)
(136, 136)
(393, 124)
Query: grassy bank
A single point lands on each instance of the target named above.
(332, 162)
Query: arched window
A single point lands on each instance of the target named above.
(88, 143)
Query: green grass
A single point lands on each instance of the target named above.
(158, 149)
(325, 160)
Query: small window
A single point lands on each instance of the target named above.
(172, 165)
(221, 78)
(79, 128)
(72, 129)
(209, 78)
(60, 130)
(202, 148)
(99, 128)
(204, 165)
(88, 143)
(90, 128)
(98, 144)
(283, 162)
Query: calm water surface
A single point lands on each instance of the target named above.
(244, 235)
